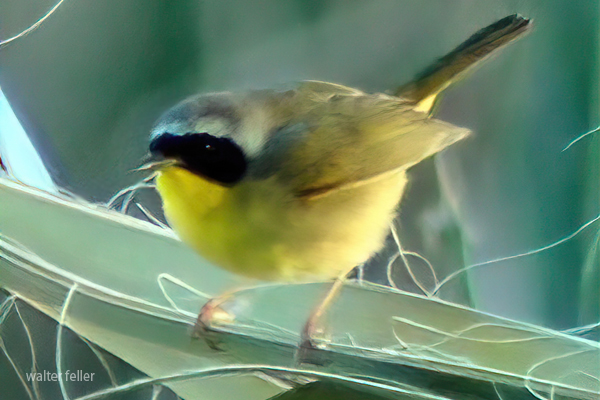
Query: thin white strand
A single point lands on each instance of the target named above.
(406, 263)
(102, 360)
(144, 183)
(581, 137)
(388, 271)
(180, 283)
(34, 382)
(513, 257)
(426, 261)
(150, 217)
(6, 307)
(17, 370)
(496, 390)
(32, 27)
(59, 334)
(156, 391)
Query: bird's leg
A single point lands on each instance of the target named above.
(211, 313)
(310, 328)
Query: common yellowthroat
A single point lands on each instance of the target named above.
(302, 184)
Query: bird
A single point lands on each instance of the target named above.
(301, 183)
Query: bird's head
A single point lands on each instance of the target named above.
(225, 137)
(199, 135)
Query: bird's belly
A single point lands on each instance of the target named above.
(259, 231)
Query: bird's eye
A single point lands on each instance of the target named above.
(217, 158)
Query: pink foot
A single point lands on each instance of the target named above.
(211, 315)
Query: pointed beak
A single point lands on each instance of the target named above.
(155, 161)
(156, 165)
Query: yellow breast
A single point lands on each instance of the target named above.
(259, 229)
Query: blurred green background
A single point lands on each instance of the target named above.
(89, 83)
